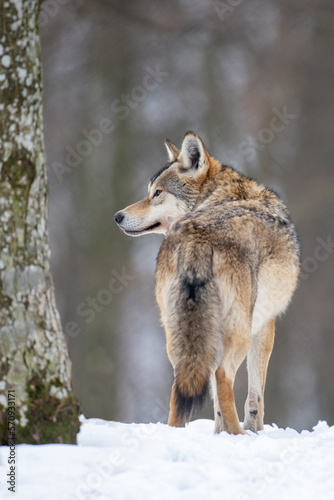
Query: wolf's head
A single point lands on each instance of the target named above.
(172, 192)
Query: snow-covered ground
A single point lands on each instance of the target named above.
(116, 461)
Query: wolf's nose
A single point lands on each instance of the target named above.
(118, 217)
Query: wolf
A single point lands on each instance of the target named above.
(228, 266)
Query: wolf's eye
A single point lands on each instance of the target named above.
(157, 193)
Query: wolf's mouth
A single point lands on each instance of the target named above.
(137, 233)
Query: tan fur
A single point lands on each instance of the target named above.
(228, 266)
(230, 421)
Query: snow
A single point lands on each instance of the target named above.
(15, 25)
(116, 461)
(22, 73)
(59, 392)
(18, 5)
(5, 61)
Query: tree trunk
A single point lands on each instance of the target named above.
(34, 360)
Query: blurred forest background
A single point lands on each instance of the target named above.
(119, 78)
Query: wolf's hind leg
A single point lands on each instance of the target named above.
(177, 416)
(257, 364)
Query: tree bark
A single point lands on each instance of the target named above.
(34, 360)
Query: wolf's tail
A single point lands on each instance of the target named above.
(196, 333)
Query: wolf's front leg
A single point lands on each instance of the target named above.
(219, 422)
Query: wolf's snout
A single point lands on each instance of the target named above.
(118, 217)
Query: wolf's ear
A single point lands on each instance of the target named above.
(194, 154)
(173, 151)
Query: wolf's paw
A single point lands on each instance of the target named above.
(254, 422)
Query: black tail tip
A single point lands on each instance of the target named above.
(186, 404)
